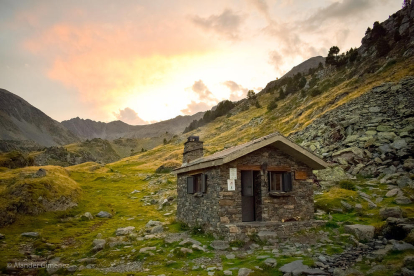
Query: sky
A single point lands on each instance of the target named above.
(146, 61)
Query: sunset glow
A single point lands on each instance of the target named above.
(146, 61)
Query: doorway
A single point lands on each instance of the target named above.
(250, 183)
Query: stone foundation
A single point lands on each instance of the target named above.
(265, 230)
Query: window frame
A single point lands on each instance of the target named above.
(286, 182)
(197, 183)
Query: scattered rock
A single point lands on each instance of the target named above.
(30, 234)
(189, 241)
(346, 205)
(146, 249)
(403, 200)
(392, 192)
(186, 250)
(387, 212)
(361, 232)
(103, 214)
(230, 256)
(41, 173)
(157, 229)
(72, 268)
(227, 272)
(87, 216)
(2, 236)
(402, 246)
(376, 269)
(153, 223)
(98, 244)
(220, 245)
(270, 262)
(125, 231)
(197, 247)
(244, 272)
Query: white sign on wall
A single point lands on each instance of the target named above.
(233, 173)
(231, 183)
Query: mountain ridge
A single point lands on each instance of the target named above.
(22, 121)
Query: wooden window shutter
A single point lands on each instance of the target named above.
(269, 180)
(203, 183)
(190, 185)
(287, 182)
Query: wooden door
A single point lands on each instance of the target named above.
(248, 199)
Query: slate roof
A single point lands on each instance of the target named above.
(230, 154)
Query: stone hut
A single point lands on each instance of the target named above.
(262, 187)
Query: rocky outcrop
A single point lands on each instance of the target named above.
(95, 150)
(370, 135)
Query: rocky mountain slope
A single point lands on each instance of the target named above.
(370, 135)
(19, 120)
(88, 129)
(304, 67)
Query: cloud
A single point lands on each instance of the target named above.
(129, 116)
(262, 7)
(205, 101)
(237, 92)
(276, 60)
(347, 9)
(202, 91)
(195, 107)
(226, 24)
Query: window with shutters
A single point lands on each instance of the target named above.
(197, 184)
(279, 182)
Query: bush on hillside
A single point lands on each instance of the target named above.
(272, 105)
(347, 185)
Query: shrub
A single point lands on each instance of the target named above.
(257, 104)
(315, 92)
(382, 47)
(347, 185)
(237, 243)
(331, 224)
(272, 105)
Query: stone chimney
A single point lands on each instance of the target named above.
(193, 149)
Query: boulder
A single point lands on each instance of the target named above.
(270, 262)
(244, 271)
(409, 164)
(402, 200)
(103, 214)
(220, 245)
(41, 172)
(402, 246)
(86, 216)
(2, 236)
(30, 234)
(98, 244)
(387, 212)
(157, 229)
(392, 192)
(361, 232)
(153, 223)
(190, 241)
(346, 205)
(409, 262)
(125, 231)
(186, 250)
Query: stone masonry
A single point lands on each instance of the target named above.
(218, 210)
